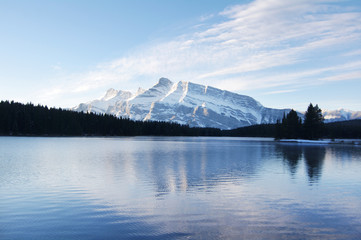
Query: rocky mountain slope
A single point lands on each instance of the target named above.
(192, 104)
(185, 103)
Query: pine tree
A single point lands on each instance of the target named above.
(290, 127)
(293, 124)
(313, 124)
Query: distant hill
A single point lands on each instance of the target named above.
(340, 115)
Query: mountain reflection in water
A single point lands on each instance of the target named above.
(176, 188)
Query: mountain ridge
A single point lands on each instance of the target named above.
(185, 103)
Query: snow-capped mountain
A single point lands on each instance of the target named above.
(195, 105)
(185, 103)
(340, 115)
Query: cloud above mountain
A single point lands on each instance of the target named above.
(263, 44)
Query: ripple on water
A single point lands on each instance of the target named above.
(177, 188)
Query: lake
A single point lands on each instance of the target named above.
(177, 188)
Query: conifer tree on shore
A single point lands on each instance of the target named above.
(314, 122)
(291, 126)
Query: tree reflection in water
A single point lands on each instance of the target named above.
(313, 157)
(292, 154)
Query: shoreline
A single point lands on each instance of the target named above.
(322, 141)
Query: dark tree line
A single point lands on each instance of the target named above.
(28, 119)
(291, 126)
(260, 130)
(344, 129)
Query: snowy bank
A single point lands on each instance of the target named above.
(324, 141)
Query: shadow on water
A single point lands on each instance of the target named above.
(313, 157)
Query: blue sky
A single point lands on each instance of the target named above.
(283, 53)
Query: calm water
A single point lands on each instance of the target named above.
(177, 188)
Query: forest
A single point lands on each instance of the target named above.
(344, 129)
(292, 126)
(17, 119)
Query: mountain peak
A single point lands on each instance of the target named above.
(110, 94)
(164, 81)
(193, 104)
(140, 91)
(185, 103)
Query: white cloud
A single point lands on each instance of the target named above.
(56, 67)
(206, 17)
(344, 76)
(353, 53)
(280, 91)
(263, 44)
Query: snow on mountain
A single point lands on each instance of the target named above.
(101, 106)
(188, 103)
(340, 115)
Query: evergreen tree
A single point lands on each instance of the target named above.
(281, 128)
(313, 124)
(27, 119)
(290, 127)
(279, 131)
(293, 125)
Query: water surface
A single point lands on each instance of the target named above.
(177, 188)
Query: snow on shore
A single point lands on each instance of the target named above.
(325, 141)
